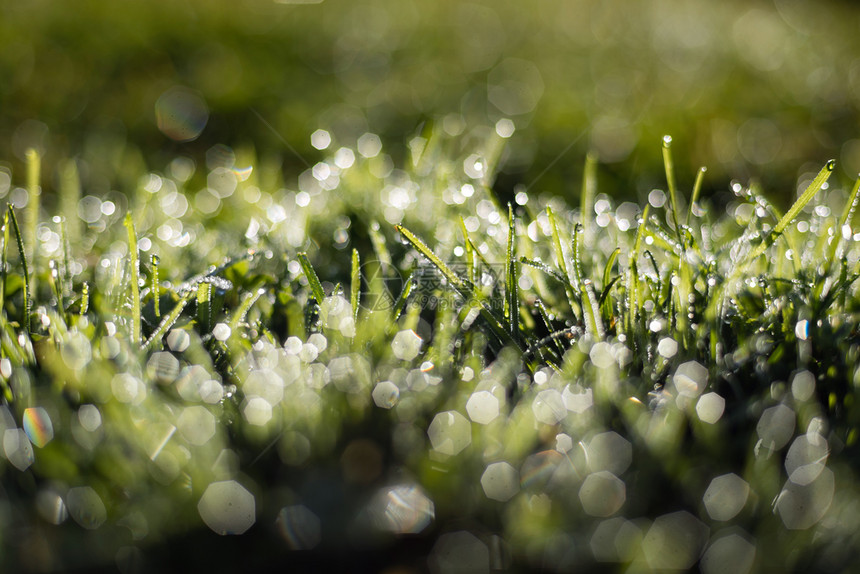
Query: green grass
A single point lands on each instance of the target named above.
(314, 345)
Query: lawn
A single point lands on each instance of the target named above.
(448, 288)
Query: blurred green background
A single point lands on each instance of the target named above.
(749, 89)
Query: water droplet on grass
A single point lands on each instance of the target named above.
(548, 407)
(726, 497)
(602, 494)
(196, 424)
(221, 331)
(500, 481)
(18, 448)
(806, 458)
(227, 508)
(609, 451)
(576, 399)
(86, 507)
(257, 411)
(450, 433)
(403, 509)
(178, 340)
(710, 408)
(51, 507)
(482, 407)
(802, 506)
(803, 385)
(385, 394)
(775, 427)
(90, 417)
(406, 345)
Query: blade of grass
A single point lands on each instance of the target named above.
(355, 284)
(669, 166)
(248, 301)
(400, 304)
(589, 189)
(789, 216)
(632, 287)
(467, 291)
(313, 280)
(168, 321)
(156, 286)
(697, 188)
(134, 279)
(569, 289)
(512, 308)
(593, 323)
(378, 242)
(5, 264)
(34, 169)
(204, 305)
(28, 303)
(576, 245)
(844, 219)
(85, 298)
(607, 271)
(470, 251)
(70, 195)
(811, 190)
(541, 266)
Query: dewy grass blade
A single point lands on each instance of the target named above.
(512, 308)
(85, 298)
(541, 266)
(313, 280)
(134, 279)
(669, 166)
(813, 188)
(789, 216)
(156, 286)
(5, 266)
(168, 321)
(851, 205)
(593, 323)
(422, 248)
(589, 189)
(355, 284)
(468, 291)
(633, 274)
(248, 301)
(204, 305)
(607, 271)
(469, 251)
(70, 195)
(576, 247)
(34, 169)
(28, 303)
(569, 289)
(378, 242)
(697, 189)
(400, 304)
(844, 222)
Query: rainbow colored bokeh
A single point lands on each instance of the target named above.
(38, 426)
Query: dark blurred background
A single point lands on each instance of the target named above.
(750, 89)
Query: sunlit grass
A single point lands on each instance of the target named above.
(527, 376)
